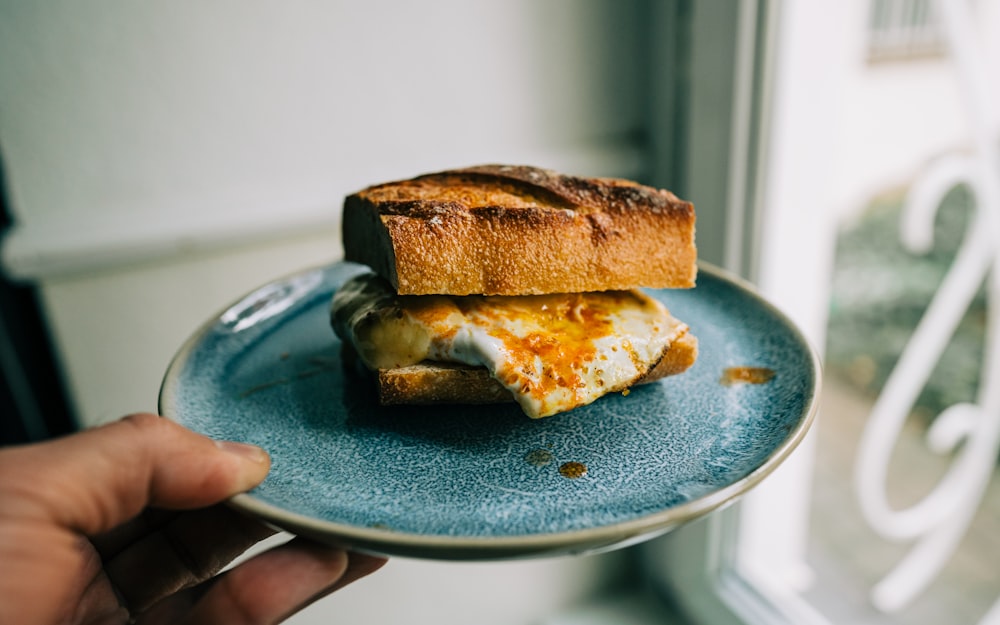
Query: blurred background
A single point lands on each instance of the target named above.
(161, 159)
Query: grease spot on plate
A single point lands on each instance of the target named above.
(539, 457)
(732, 376)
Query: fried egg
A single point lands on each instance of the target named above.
(552, 352)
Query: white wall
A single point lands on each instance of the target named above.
(160, 121)
(165, 157)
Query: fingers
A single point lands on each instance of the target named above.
(359, 565)
(95, 480)
(187, 550)
(278, 583)
(110, 544)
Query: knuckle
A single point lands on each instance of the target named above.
(150, 428)
(144, 421)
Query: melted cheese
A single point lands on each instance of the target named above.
(553, 352)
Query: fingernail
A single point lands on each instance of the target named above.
(244, 450)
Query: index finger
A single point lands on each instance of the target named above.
(100, 478)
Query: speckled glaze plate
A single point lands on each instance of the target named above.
(486, 482)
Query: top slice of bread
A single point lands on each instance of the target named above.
(517, 230)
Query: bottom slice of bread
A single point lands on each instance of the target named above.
(446, 383)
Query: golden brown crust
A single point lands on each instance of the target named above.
(515, 230)
(438, 383)
(447, 383)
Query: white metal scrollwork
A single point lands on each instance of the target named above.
(937, 523)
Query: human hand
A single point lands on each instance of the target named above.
(123, 523)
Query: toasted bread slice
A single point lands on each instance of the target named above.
(447, 383)
(518, 230)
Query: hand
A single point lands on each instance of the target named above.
(123, 523)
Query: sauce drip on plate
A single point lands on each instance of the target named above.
(572, 469)
(746, 375)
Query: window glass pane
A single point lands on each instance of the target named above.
(880, 292)
(906, 501)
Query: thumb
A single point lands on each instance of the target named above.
(100, 478)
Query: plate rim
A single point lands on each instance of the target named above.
(583, 540)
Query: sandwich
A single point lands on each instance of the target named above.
(513, 283)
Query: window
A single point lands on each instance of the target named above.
(863, 554)
(903, 29)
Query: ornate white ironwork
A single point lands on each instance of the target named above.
(937, 523)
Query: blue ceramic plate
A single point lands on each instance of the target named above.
(487, 482)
